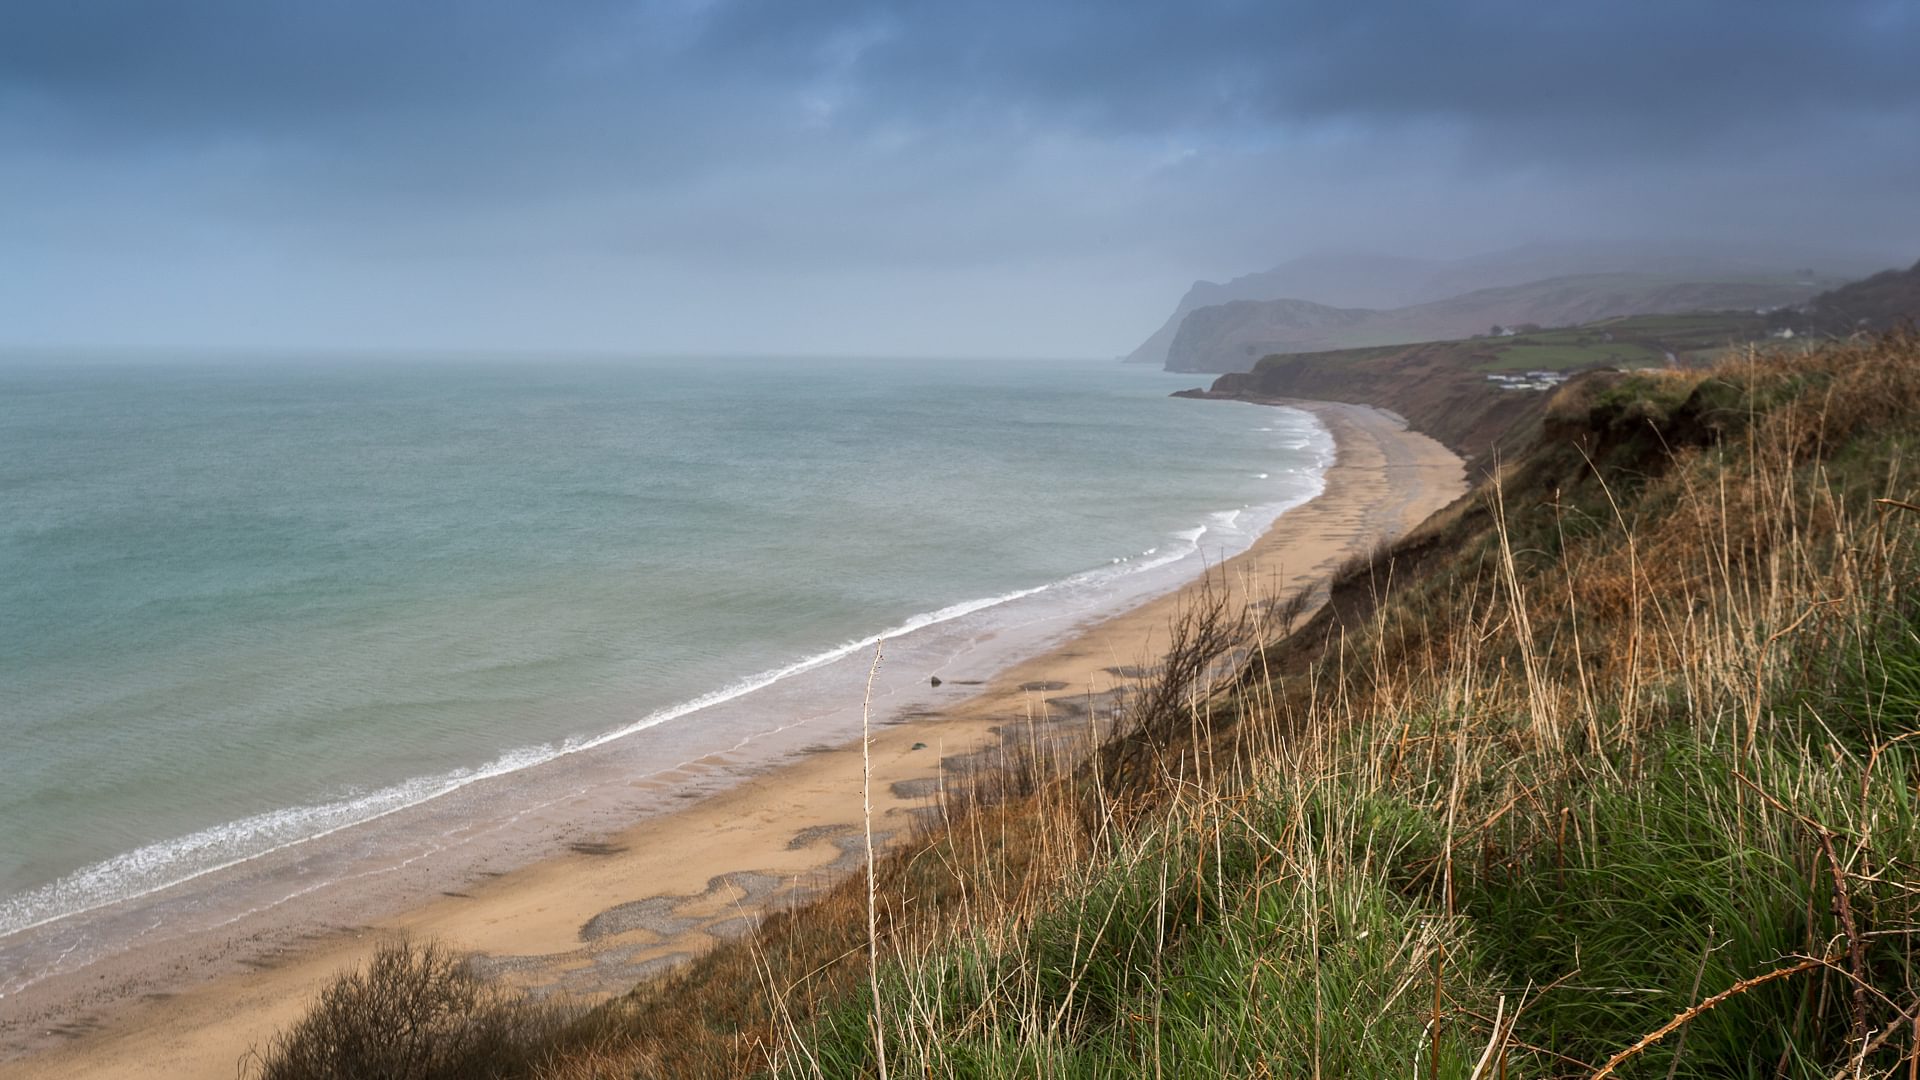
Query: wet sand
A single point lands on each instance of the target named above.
(615, 909)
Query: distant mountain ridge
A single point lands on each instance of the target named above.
(1388, 282)
(1234, 336)
(1333, 280)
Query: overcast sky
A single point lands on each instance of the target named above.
(957, 177)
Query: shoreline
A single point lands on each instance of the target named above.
(614, 910)
(565, 766)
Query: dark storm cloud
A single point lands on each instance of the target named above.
(1670, 66)
(128, 68)
(1659, 70)
(1139, 143)
(1679, 66)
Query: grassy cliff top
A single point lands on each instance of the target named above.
(1631, 341)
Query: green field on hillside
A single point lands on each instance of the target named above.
(1633, 341)
(1628, 342)
(1542, 356)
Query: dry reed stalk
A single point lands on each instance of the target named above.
(1496, 1041)
(1913, 1057)
(866, 816)
(1898, 504)
(1856, 949)
(1693, 995)
(1544, 725)
(1686, 1015)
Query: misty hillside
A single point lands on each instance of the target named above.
(1880, 302)
(1234, 336)
(1360, 281)
(1384, 282)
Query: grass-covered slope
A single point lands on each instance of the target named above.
(1442, 387)
(1633, 341)
(1610, 769)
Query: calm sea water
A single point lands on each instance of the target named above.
(247, 601)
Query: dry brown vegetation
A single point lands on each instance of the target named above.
(413, 1012)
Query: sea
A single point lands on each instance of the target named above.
(271, 622)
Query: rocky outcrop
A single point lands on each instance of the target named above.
(1232, 337)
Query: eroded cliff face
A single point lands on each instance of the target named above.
(1269, 286)
(1234, 336)
(1428, 385)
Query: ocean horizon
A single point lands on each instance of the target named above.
(249, 606)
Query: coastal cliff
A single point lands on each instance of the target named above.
(1433, 386)
(1233, 337)
(1402, 299)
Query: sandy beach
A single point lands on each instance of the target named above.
(595, 921)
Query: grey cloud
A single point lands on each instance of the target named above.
(1633, 69)
(968, 142)
(224, 67)
(1657, 68)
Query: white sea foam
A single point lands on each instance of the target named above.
(154, 867)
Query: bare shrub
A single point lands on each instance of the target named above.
(1166, 715)
(414, 1012)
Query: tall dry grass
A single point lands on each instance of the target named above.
(1624, 785)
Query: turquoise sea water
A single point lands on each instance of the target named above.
(249, 600)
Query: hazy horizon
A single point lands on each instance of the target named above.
(832, 177)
